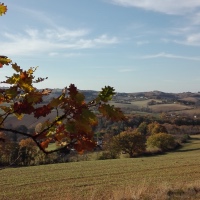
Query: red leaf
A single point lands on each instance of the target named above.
(72, 90)
(42, 111)
(23, 108)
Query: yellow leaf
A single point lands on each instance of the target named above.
(19, 116)
(4, 60)
(3, 9)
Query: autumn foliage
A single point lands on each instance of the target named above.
(73, 124)
(130, 141)
(3, 9)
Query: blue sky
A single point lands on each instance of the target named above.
(131, 45)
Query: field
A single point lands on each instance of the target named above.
(191, 112)
(155, 108)
(133, 104)
(175, 175)
(169, 107)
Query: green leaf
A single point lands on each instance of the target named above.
(106, 94)
(89, 116)
(12, 92)
(5, 109)
(16, 67)
(34, 97)
(111, 112)
(55, 102)
(13, 79)
(79, 98)
(70, 127)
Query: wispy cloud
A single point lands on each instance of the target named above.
(166, 55)
(140, 43)
(126, 70)
(192, 39)
(38, 15)
(179, 7)
(67, 55)
(50, 41)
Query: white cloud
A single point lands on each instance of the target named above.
(194, 38)
(50, 41)
(178, 7)
(165, 55)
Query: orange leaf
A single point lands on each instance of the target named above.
(23, 75)
(45, 144)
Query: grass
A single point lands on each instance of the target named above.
(166, 176)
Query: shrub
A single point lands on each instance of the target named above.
(155, 128)
(163, 141)
(130, 141)
(108, 155)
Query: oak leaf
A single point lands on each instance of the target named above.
(45, 143)
(72, 90)
(106, 93)
(110, 112)
(4, 60)
(42, 111)
(3, 9)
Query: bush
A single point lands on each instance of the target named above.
(108, 155)
(163, 141)
(130, 141)
(155, 128)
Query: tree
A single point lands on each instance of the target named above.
(155, 128)
(9, 150)
(142, 128)
(28, 151)
(74, 120)
(163, 141)
(130, 141)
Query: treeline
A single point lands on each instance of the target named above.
(145, 140)
(176, 124)
(144, 131)
(24, 153)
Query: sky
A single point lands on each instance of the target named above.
(131, 45)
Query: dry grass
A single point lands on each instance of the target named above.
(169, 107)
(192, 112)
(168, 176)
(139, 104)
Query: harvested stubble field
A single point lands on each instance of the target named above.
(169, 107)
(158, 108)
(175, 175)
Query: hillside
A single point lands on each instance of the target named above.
(174, 174)
(155, 102)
